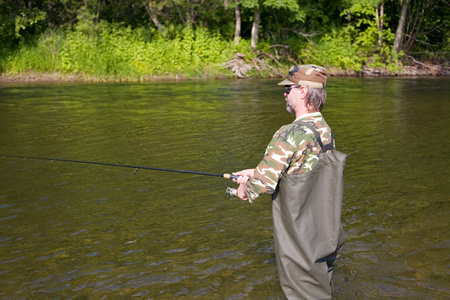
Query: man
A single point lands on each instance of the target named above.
(305, 175)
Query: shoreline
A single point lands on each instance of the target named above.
(55, 77)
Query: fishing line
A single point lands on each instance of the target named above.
(225, 175)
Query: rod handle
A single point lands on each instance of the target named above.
(230, 176)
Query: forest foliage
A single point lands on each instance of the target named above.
(144, 39)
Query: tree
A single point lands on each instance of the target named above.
(400, 26)
(237, 31)
(255, 6)
(379, 12)
(368, 24)
(152, 9)
(255, 28)
(258, 6)
(423, 28)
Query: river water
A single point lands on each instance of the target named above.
(79, 231)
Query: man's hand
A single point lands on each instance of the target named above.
(244, 176)
(242, 191)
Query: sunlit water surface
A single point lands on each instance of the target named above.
(70, 230)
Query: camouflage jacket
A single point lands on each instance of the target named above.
(293, 150)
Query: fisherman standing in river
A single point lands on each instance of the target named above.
(305, 175)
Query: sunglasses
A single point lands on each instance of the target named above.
(288, 88)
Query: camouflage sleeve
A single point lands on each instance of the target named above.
(276, 160)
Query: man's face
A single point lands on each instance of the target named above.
(288, 93)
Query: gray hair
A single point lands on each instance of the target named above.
(316, 98)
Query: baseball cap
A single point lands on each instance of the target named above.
(307, 75)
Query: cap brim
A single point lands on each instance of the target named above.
(286, 82)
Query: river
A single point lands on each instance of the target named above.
(80, 231)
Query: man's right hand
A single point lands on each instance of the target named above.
(242, 192)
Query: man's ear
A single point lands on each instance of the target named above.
(303, 92)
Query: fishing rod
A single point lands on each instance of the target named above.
(231, 176)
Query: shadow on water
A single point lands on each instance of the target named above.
(69, 230)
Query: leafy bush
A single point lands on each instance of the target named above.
(114, 52)
(42, 56)
(334, 50)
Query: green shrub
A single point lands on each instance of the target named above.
(40, 57)
(334, 50)
(124, 54)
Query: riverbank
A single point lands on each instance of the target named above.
(116, 54)
(55, 77)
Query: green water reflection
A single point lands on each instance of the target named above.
(69, 230)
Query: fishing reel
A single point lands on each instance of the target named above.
(231, 192)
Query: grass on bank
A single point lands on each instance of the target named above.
(111, 52)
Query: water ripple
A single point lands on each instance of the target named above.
(213, 270)
(78, 232)
(50, 256)
(12, 260)
(132, 251)
(175, 250)
(10, 217)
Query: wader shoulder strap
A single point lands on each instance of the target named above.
(326, 147)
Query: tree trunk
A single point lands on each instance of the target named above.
(97, 18)
(237, 31)
(414, 28)
(188, 15)
(400, 27)
(181, 15)
(380, 14)
(153, 16)
(255, 28)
